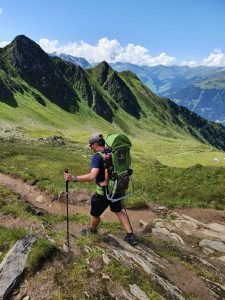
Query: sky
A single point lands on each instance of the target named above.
(143, 32)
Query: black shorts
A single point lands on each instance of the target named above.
(100, 203)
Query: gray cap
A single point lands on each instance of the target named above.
(95, 138)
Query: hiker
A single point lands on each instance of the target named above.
(99, 201)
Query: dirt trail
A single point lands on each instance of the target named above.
(31, 193)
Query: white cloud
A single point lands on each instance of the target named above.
(112, 51)
(1, 11)
(3, 44)
(216, 59)
(109, 50)
(49, 46)
(190, 63)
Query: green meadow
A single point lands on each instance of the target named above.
(183, 176)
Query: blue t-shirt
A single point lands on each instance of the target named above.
(98, 162)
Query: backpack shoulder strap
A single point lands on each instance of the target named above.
(101, 153)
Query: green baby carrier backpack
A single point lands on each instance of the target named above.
(118, 162)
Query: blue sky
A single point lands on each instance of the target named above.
(143, 32)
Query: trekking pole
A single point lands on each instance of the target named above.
(128, 218)
(67, 212)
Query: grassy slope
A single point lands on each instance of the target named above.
(149, 136)
(44, 163)
(154, 137)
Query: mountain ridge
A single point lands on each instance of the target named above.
(179, 84)
(119, 98)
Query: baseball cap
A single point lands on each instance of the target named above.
(95, 138)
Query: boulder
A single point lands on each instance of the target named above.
(13, 266)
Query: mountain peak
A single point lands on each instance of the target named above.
(102, 71)
(104, 64)
(21, 41)
(23, 50)
(103, 67)
(22, 37)
(35, 67)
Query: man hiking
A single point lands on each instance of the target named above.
(99, 201)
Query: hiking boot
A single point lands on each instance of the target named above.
(88, 231)
(131, 239)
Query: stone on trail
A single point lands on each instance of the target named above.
(176, 237)
(144, 224)
(215, 245)
(137, 292)
(161, 210)
(105, 259)
(217, 227)
(175, 215)
(40, 199)
(13, 265)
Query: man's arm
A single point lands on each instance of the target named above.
(83, 178)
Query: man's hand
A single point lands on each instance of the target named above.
(68, 176)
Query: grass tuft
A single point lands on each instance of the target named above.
(8, 237)
(42, 251)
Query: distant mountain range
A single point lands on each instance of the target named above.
(80, 61)
(200, 89)
(36, 83)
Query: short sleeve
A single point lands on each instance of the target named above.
(96, 161)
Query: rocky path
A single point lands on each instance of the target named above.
(190, 242)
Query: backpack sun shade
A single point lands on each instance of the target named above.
(118, 166)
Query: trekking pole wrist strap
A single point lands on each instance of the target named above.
(74, 178)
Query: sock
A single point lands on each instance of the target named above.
(131, 233)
